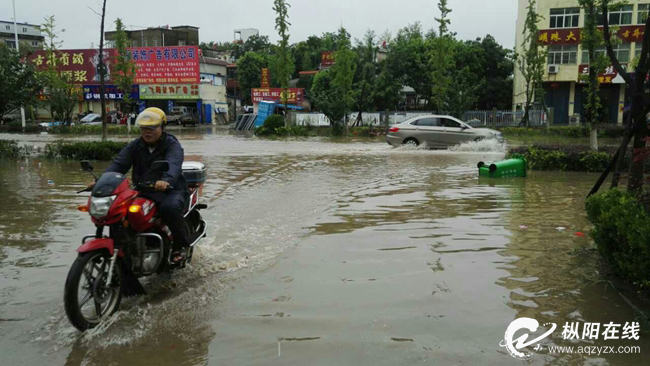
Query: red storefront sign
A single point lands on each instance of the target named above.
(572, 36)
(79, 66)
(609, 76)
(166, 65)
(295, 95)
(155, 65)
(266, 77)
(327, 59)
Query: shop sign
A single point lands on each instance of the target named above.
(294, 95)
(156, 91)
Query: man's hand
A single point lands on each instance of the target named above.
(90, 186)
(161, 186)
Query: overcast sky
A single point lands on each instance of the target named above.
(217, 19)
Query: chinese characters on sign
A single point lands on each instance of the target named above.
(155, 65)
(158, 91)
(77, 66)
(609, 76)
(294, 95)
(166, 65)
(572, 36)
(111, 92)
(327, 59)
(265, 78)
(593, 331)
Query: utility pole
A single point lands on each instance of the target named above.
(22, 109)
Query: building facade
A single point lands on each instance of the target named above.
(183, 35)
(565, 89)
(28, 34)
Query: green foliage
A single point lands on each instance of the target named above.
(567, 158)
(328, 98)
(249, 72)
(283, 64)
(366, 69)
(561, 131)
(622, 234)
(531, 63)
(86, 150)
(125, 68)
(443, 21)
(9, 149)
(19, 82)
(91, 130)
(60, 94)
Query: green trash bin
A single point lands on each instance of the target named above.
(514, 167)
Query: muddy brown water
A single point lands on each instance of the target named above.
(319, 253)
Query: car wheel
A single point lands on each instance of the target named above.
(411, 142)
(480, 138)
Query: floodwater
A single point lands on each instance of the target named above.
(321, 253)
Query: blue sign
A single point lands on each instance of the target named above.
(264, 110)
(170, 105)
(142, 106)
(111, 92)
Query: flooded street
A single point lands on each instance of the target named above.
(319, 253)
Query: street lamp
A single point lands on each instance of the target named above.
(22, 109)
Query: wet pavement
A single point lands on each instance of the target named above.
(319, 252)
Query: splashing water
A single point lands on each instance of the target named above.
(489, 145)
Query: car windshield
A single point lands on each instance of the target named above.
(90, 117)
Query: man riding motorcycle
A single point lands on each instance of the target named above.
(171, 189)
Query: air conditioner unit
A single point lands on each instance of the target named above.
(553, 69)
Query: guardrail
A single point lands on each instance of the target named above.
(473, 118)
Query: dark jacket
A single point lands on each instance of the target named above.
(136, 154)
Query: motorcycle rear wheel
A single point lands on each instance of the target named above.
(87, 277)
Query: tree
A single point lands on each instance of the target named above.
(591, 38)
(442, 60)
(249, 72)
(102, 73)
(328, 99)
(343, 71)
(409, 60)
(20, 84)
(497, 69)
(366, 70)
(283, 66)
(385, 94)
(125, 68)
(60, 94)
(636, 125)
(531, 63)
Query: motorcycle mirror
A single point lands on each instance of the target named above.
(86, 166)
(160, 166)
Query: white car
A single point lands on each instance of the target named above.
(92, 119)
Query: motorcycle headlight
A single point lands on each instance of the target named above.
(99, 206)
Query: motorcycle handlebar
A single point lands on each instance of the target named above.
(150, 186)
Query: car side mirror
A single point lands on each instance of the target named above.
(86, 166)
(464, 127)
(160, 166)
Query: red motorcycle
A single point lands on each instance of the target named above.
(138, 243)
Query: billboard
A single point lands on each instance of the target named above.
(572, 36)
(166, 65)
(111, 92)
(609, 76)
(159, 91)
(80, 66)
(295, 95)
(327, 58)
(155, 65)
(266, 77)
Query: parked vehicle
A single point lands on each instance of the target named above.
(138, 243)
(92, 119)
(47, 125)
(183, 116)
(437, 132)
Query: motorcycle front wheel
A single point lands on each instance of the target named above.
(86, 297)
